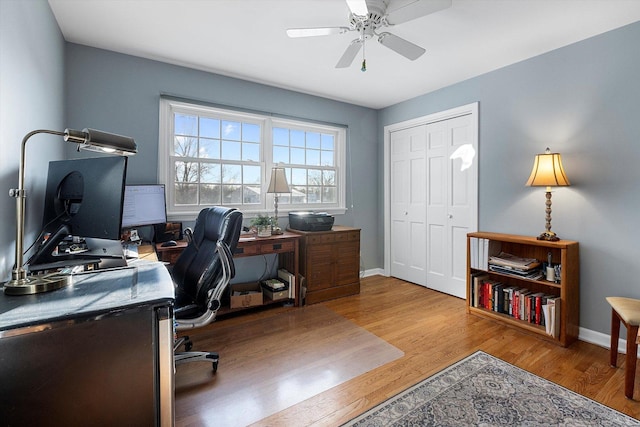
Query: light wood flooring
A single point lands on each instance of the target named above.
(432, 329)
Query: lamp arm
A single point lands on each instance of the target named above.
(19, 273)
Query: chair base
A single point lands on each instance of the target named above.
(194, 356)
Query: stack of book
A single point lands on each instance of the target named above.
(524, 268)
(520, 303)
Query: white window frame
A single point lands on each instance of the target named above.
(267, 122)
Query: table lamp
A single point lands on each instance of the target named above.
(277, 185)
(548, 172)
(88, 139)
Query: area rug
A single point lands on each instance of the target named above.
(482, 390)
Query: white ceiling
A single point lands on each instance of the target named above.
(246, 39)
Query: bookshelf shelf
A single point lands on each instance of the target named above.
(567, 292)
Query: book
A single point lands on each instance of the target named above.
(478, 280)
(290, 279)
(508, 260)
(551, 311)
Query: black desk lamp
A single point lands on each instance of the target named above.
(88, 139)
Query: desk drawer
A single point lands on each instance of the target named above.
(277, 247)
(246, 250)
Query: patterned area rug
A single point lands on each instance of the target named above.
(483, 390)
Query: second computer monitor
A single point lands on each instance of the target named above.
(143, 205)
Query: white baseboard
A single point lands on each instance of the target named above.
(373, 272)
(602, 340)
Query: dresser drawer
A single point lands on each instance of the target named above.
(313, 239)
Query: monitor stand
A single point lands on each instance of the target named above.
(99, 254)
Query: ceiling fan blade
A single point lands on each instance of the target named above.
(313, 32)
(349, 55)
(401, 46)
(358, 7)
(416, 9)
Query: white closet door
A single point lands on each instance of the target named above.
(408, 204)
(432, 198)
(451, 203)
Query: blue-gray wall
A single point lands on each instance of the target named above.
(120, 93)
(582, 101)
(31, 97)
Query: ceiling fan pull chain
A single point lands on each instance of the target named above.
(364, 59)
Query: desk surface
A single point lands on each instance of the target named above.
(89, 294)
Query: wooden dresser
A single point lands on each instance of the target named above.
(330, 263)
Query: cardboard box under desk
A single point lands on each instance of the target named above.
(245, 295)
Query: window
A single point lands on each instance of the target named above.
(210, 156)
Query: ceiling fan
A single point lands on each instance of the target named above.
(368, 17)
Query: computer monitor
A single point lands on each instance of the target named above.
(84, 199)
(143, 205)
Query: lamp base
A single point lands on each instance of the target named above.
(277, 230)
(549, 236)
(36, 284)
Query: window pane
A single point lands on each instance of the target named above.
(280, 155)
(326, 158)
(250, 132)
(314, 177)
(281, 136)
(329, 195)
(186, 171)
(313, 195)
(185, 146)
(251, 175)
(297, 156)
(186, 194)
(251, 194)
(251, 152)
(327, 142)
(209, 128)
(299, 195)
(328, 177)
(231, 174)
(313, 140)
(231, 150)
(210, 194)
(231, 130)
(313, 157)
(231, 194)
(210, 173)
(209, 149)
(185, 125)
(297, 138)
(298, 176)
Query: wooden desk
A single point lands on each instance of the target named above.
(170, 254)
(286, 245)
(98, 351)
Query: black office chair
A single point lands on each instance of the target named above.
(202, 273)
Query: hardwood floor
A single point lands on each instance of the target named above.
(433, 330)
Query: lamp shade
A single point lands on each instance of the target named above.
(548, 171)
(103, 142)
(278, 183)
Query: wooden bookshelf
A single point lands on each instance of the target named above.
(563, 252)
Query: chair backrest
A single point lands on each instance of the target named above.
(199, 268)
